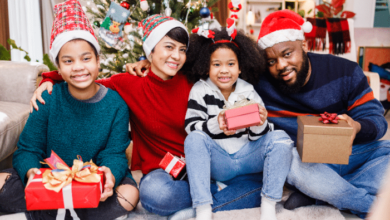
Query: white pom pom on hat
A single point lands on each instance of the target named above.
(281, 26)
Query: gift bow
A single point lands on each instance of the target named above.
(327, 118)
(58, 178)
(241, 102)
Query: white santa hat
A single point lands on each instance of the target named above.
(70, 23)
(282, 26)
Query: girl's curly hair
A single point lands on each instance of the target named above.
(250, 57)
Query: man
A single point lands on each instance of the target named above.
(301, 83)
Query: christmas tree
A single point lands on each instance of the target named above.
(120, 47)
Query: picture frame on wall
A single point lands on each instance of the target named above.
(377, 56)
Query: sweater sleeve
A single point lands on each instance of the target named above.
(255, 132)
(55, 78)
(114, 154)
(32, 141)
(365, 109)
(197, 117)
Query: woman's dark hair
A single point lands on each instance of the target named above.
(90, 44)
(178, 34)
(250, 57)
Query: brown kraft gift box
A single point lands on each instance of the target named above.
(323, 143)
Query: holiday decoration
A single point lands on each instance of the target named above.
(203, 32)
(144, 5)
(129, 40)
(231, 28)
(329, 118)
(141, 58)
(234, 7)
(97, 24)
(204, 12)
(111, 29)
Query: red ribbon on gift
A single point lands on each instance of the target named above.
(327, 118)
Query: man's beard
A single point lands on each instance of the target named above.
(300, 78)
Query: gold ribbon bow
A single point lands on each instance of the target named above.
(241, 102)
(57, 179)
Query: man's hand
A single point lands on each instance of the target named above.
(136, 68)
(38, 95)
(223, 126)
(109, 185)
(354, 124)
(263, 115)
(31, 173)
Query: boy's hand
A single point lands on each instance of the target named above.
(136, 68)
(108, 185)
(38, 95)
(31, 173)
(223, 126)
(263, 115)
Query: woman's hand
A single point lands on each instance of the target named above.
(223, 126)
(263, 115)
(136, 68)
(31, 173)
(38, 95)
(108, 185)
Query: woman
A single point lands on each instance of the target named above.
(158, 104)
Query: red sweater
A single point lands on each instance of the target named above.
(157, 113)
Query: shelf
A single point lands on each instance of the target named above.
(381, 7)
(383, 1)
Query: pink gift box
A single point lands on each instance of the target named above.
(242, 117)
(173, 165)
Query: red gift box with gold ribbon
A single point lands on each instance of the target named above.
(45, 191)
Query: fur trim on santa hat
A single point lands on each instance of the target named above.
(282, 26)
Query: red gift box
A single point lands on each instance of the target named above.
(173, 165)
(74, 195)
(242, 117)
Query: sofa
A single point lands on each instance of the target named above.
(18, 81)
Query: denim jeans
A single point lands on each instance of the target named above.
(350, 187)
(270, 154)
(12, 200)
(162, 195)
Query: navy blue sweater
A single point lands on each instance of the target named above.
(336, 85)
(97, 131)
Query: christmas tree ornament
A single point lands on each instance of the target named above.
(204, 12)
(141, 58)
(201, 31)
(96, 24)
(231, 28)
(144, 5)
(126, 5)
(111, 28)
(251, 31)
(234, 7)
(168, 11)
(128, 28)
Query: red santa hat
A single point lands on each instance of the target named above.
(70, 23)
(282, 26)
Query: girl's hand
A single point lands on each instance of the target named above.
(136, 68)
(109, 185)
(31, 173)
(223, 126)
(38, 95)
(263, 115)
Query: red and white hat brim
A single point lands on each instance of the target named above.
(280, 36)
(67, 36)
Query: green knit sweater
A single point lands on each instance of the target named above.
(97, 131)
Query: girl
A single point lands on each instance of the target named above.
(158, 104)
(79, 118)
(213, 151)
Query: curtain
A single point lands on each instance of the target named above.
(4, 24)
(25, 29)
(222, 14)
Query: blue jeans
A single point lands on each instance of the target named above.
(162, 195)
(205, 159)
(348, 187)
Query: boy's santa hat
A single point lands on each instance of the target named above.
(70, 23)
(155, 27)
(282, 26)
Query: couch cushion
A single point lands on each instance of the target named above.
(13, 117)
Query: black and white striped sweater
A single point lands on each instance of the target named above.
(206, 102)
